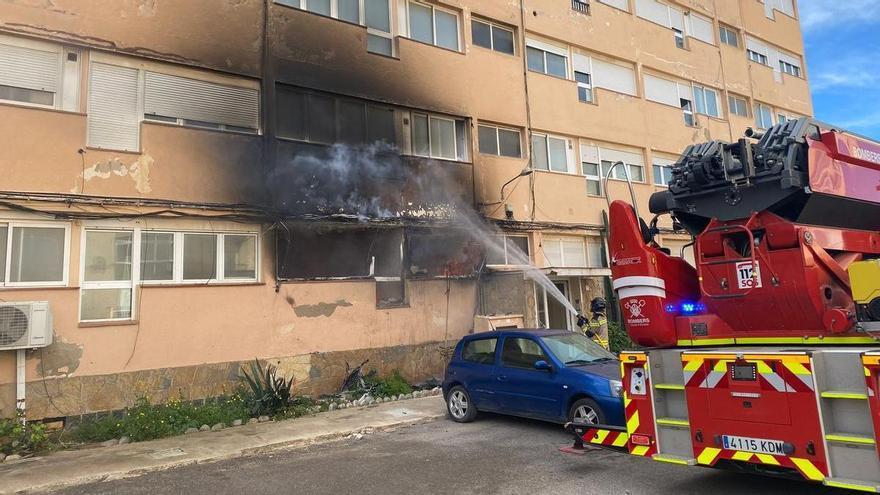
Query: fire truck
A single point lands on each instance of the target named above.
(765, 355)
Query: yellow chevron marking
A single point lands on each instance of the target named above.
(721, 366)
(763, 368)
(796, 368)
(621, 440)
(742, 456)
(600, 437)
(632, 423)
(708, 455)
(693, 365)
(808, 469)
(670, 460)
(767, 459)
(867, 371)
(639, 450)
(869, 360)
(849, 486)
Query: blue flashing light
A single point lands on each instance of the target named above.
(686, 308)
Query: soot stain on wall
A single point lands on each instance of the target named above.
(320, 309)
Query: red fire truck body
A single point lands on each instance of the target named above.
(765, 354)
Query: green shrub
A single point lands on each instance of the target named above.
(618, 339)
(386, 387)
(19, 437)
(268, 393)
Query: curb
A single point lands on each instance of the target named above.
(234, 454)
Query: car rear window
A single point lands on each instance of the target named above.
(480, 351)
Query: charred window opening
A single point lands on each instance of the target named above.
(443, 254)
(334, 252)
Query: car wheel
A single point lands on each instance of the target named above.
(458, 403)
(586, 411)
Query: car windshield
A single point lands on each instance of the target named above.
(575, 349)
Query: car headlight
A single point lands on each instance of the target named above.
(616, 387)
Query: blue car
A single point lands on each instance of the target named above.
(552, 375)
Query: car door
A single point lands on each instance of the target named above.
(522, 389)
(476, 369)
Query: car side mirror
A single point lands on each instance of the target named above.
(542, 365)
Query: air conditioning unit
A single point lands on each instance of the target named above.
(25, 325)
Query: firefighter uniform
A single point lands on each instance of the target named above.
(597, 329)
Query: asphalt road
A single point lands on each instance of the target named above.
(495, 454)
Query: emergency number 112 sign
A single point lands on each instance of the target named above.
(748, 276)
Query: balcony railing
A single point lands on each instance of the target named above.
(581, 6)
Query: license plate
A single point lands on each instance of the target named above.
(756, 445)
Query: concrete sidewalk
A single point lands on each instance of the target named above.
(73, 467)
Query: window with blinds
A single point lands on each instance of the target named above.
(200, 103)
(113, 114)
(29, 75)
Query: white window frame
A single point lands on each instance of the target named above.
(546, 48)
(593, 178)
(110, 284)
(758, 114)
(705, 90)
(497, 129)
(10, 224)
(664, 165)
(177, 264)
(334, 13)
(588, 86)
(434, 9)
(626, 170)
(59, 95)
(726, 38)
(430, 116)
(561, 240)
(503, 238)
(688, 111)
(758, 57)
(492, 27)
(733, 98)
(789, 68)
(679, 37)
(547, 137)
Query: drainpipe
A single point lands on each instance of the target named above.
(19, 382)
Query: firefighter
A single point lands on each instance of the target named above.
(596, 327)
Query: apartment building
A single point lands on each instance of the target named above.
(191, 185)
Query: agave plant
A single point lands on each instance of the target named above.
(269, 392)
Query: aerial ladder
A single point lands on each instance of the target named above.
(765, 355)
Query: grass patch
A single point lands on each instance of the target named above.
(387, 386)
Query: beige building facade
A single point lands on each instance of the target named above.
(195, 184)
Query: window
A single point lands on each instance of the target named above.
(595, 252)
(375, 15)
(157, 256)
(594, 178)
(439, 137)
(596, 162)
(581, 6)
(508, 250)
(40, 74)
(728, 36)
(549, 153)
(547, 59)
(121, 97)
(706, 101)
(521, 353)
(687, 109)
(33, 254)
(789, 68)
(326, 119)
(186, 101)
(679, 38)
(662, 171)
(480, 351)
(636, 172)
(738, 105)
(620, 4)
(499, 141)
(433, 25)
(107, 276)
(758, 57)
(565, 251)
(492, 36)
(585, 87)
(763, 116)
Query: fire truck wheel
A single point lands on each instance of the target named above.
(586, 411)
(458, 403)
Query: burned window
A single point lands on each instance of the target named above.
(443, 253)
(306, 252)
(327, 119)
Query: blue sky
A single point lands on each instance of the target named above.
(843, 62)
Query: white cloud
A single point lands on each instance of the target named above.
(868, 123)
(821, 14)
(844, 75)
